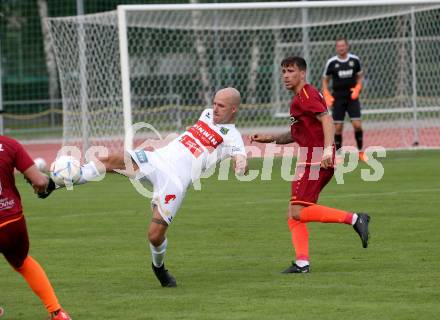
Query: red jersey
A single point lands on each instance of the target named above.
(306, 129)
(12, 155)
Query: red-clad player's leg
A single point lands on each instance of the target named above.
(36, 278)
(14, 241)
(300, 239)
(308, 183)
(305, 192)
(14, 244)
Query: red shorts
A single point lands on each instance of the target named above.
(14, 242)
(308, 183)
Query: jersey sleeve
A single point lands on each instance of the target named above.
(23, 161)
(315, 103)
(357, 66)
(206, 115)
(328, 69)
(237, 145)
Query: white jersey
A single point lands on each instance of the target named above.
(201, 146)
(171, 169)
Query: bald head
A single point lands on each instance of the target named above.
(226, 103)
(232, 95)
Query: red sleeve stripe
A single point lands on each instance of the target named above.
(305, 92)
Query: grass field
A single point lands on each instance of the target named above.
(228, 245)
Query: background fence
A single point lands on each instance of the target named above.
(30, 95)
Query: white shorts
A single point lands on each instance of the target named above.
(168, 189)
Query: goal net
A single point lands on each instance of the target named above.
(161, 64)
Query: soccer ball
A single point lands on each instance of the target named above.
(40, 164)
(65, 171)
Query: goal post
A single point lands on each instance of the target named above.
(125, 78)
(161, 64)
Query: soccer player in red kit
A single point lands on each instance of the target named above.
(14, 240)
(313, 129)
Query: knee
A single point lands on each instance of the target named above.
(155, 237)
(294, 214)
(17, 264)
(357, 126)
(17, 267)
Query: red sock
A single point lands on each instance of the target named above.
(39, 283)
(300, 239)
(317, 213)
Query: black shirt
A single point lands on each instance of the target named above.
(343, 74)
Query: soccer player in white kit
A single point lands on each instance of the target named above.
(173, 168)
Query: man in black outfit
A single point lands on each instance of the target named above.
(346, 74)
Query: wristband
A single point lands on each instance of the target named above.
(328, 152)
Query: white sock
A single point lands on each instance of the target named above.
(89, 171)
(302, 263)
(158, 253)
(354, 219)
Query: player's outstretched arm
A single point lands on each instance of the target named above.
(261, 138)
(283, 138)
(38, 180)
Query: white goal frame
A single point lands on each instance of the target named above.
(123, 43)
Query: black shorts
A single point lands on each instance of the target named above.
(342, 106)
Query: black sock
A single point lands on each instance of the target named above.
(338, 141)
(358, 136)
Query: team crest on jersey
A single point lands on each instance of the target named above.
(336, 65)
(351, 63)
(224, 130)
(293, 120)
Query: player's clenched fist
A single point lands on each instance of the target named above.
(262, 138)
(327, 158)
